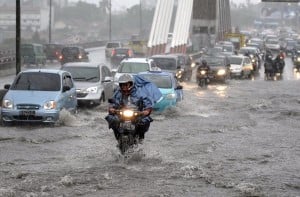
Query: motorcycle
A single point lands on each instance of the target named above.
(128, 138)
(202, 78)
(296, 62)
(274, 67)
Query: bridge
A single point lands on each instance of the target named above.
(202, 22)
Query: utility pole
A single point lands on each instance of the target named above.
(50, 20)
(18, 36)
(140, 18)
(109, 10)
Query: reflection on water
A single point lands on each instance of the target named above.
(221, 91)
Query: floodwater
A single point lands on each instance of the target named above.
(235, 139)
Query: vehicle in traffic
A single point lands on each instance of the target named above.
(219, 68)
(73, 54)
(133, 66)
(93, 81)
(168, 85)
(240, 66)
(118, 54)
(33, 53)
(38, 95)
(254, 54)
(110, 46)
(53, 51)
(178, 64)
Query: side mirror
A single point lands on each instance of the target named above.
(66, 88)
(6, 86)
(179, 87)
(107, 79)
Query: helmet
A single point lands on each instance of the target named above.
(126, 83)
(204, 62)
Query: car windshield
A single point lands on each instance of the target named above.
(165, 63)
(272, 41)
(121, 51)
(84, 73)
(214, 61)
(112, 45)
(228, 48)
(247, 50)
(70, 51)
(133, 67)
(235, 60)
(37, 81)
(161, 81)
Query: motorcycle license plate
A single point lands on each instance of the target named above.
(128, 126)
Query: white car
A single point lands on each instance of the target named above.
(94, 82)
(134, 66)
(240, 66)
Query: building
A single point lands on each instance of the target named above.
(210, 21)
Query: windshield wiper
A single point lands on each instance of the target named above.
(79, 78)
(88, 79)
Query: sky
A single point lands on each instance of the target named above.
(121, 4)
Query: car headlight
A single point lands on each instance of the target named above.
(253, 60)
(50, 105)
(298, 59)
(221, 72)
(8, 104)
(193, 64)
(171, 96)
(92, 89)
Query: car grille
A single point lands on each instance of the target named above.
(28, 106)
(32, 118)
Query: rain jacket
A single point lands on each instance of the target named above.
(143, 90)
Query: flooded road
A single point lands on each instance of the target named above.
(235, 139)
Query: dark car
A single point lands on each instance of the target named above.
(33, 53)
(73, 54)
(179, 64)
(53, 51)
(219, 67)
(118, 54)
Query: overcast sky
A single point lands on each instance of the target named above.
(121, 4)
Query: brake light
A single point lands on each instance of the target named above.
(113, 52)
(60, 57)
(130, 53)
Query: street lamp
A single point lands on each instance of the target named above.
(50, 19)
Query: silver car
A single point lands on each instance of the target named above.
(93, 81)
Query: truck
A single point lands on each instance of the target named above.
(138, 45)
(238, 39)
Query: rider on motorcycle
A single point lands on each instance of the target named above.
(202, 66)
(129, 94)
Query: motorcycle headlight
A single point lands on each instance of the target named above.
(127, 113)
(8, 104)
(92, 90)
(221, 72)
(202, 72)
(50, 105)
(298, 59)
(253, 60)
(171, 96)
(193, 64)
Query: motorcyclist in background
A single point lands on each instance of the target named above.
(279, 62)
(129, 94)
